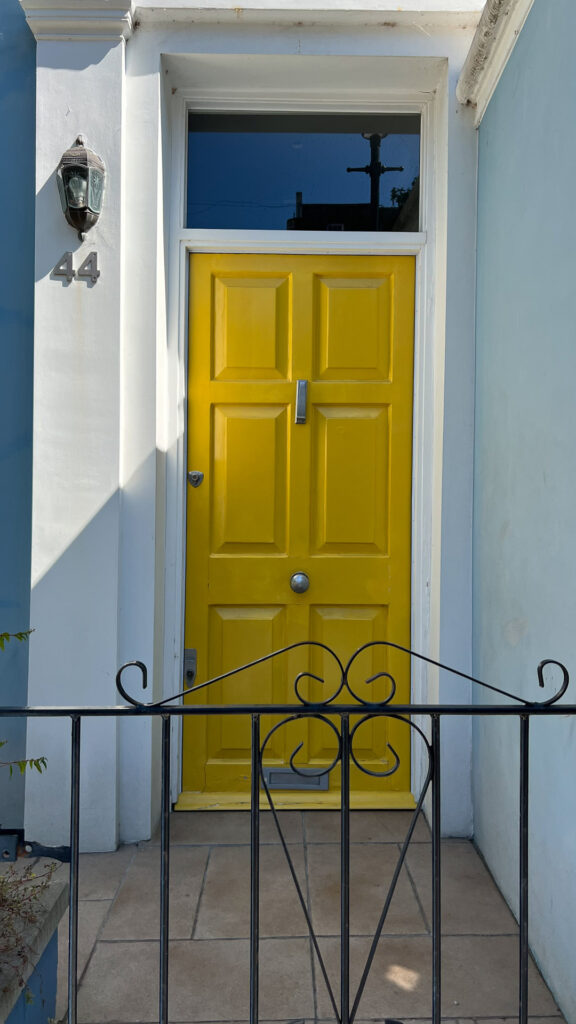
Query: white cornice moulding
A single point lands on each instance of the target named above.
(386, 10)
(437, 14)
(495, 38)
(79, 19)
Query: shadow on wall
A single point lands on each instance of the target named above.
(93, 610)
(73, 662)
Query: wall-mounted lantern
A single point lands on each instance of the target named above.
(81, 175)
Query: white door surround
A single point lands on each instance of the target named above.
(135, 116)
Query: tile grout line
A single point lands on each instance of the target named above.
(309, 905)
(111, 901)
(415, 891)
(389, 936)
(107, 915)
(200, 895)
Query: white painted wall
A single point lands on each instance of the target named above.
(110, 372)
(76, 502)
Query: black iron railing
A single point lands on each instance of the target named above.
(345, 1004)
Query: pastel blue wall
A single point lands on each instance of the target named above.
(525, 468)
(17, 117)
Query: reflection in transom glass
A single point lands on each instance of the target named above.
(304, 172)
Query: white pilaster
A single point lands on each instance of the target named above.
(76, 499)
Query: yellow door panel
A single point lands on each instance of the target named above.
(359, 308)
(239, 523)
(349, 479)
(254, 308)
(330, 497)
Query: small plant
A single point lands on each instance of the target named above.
(20, 891)
(5, 637)
(37, 763)
(20, 902)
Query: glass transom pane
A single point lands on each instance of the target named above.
(304, 172)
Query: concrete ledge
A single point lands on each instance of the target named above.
(37, 936)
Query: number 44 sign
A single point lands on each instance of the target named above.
(87, 269)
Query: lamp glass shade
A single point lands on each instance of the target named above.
(95, 190)
(81, 176)
(76, 186)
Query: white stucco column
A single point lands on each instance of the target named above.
(76, 503)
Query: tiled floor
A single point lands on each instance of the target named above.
(209, 926)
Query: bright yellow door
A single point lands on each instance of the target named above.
(330, 497)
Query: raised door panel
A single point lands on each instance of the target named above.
(349, 485)
(250, 327)
(249, 482)
(354, 327)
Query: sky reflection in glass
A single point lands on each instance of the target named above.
(249, 178)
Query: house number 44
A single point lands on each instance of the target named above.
(87, 269)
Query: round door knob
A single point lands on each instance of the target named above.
(299, 581)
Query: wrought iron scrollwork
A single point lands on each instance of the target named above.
(344, 680)
(564, 686)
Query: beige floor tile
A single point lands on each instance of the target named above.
(480, 973)
(399, 983)
(101, 873)
(225, 904)
(191, 827)
(91, 916)
(514, 1020)
(210, 980)
(120, 984)
(450, 1018)
(479, 978)
(371, 870)
(365, 827)
(470, 901)
(136, 910)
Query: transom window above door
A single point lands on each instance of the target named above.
(304, 172)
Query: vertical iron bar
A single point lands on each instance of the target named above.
(345, 873)
(436, 876)
(255, 870)
(74, 867)
(165, 871)
(523, 908)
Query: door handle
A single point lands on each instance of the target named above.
(301, 397)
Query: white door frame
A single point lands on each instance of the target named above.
(428, 246)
